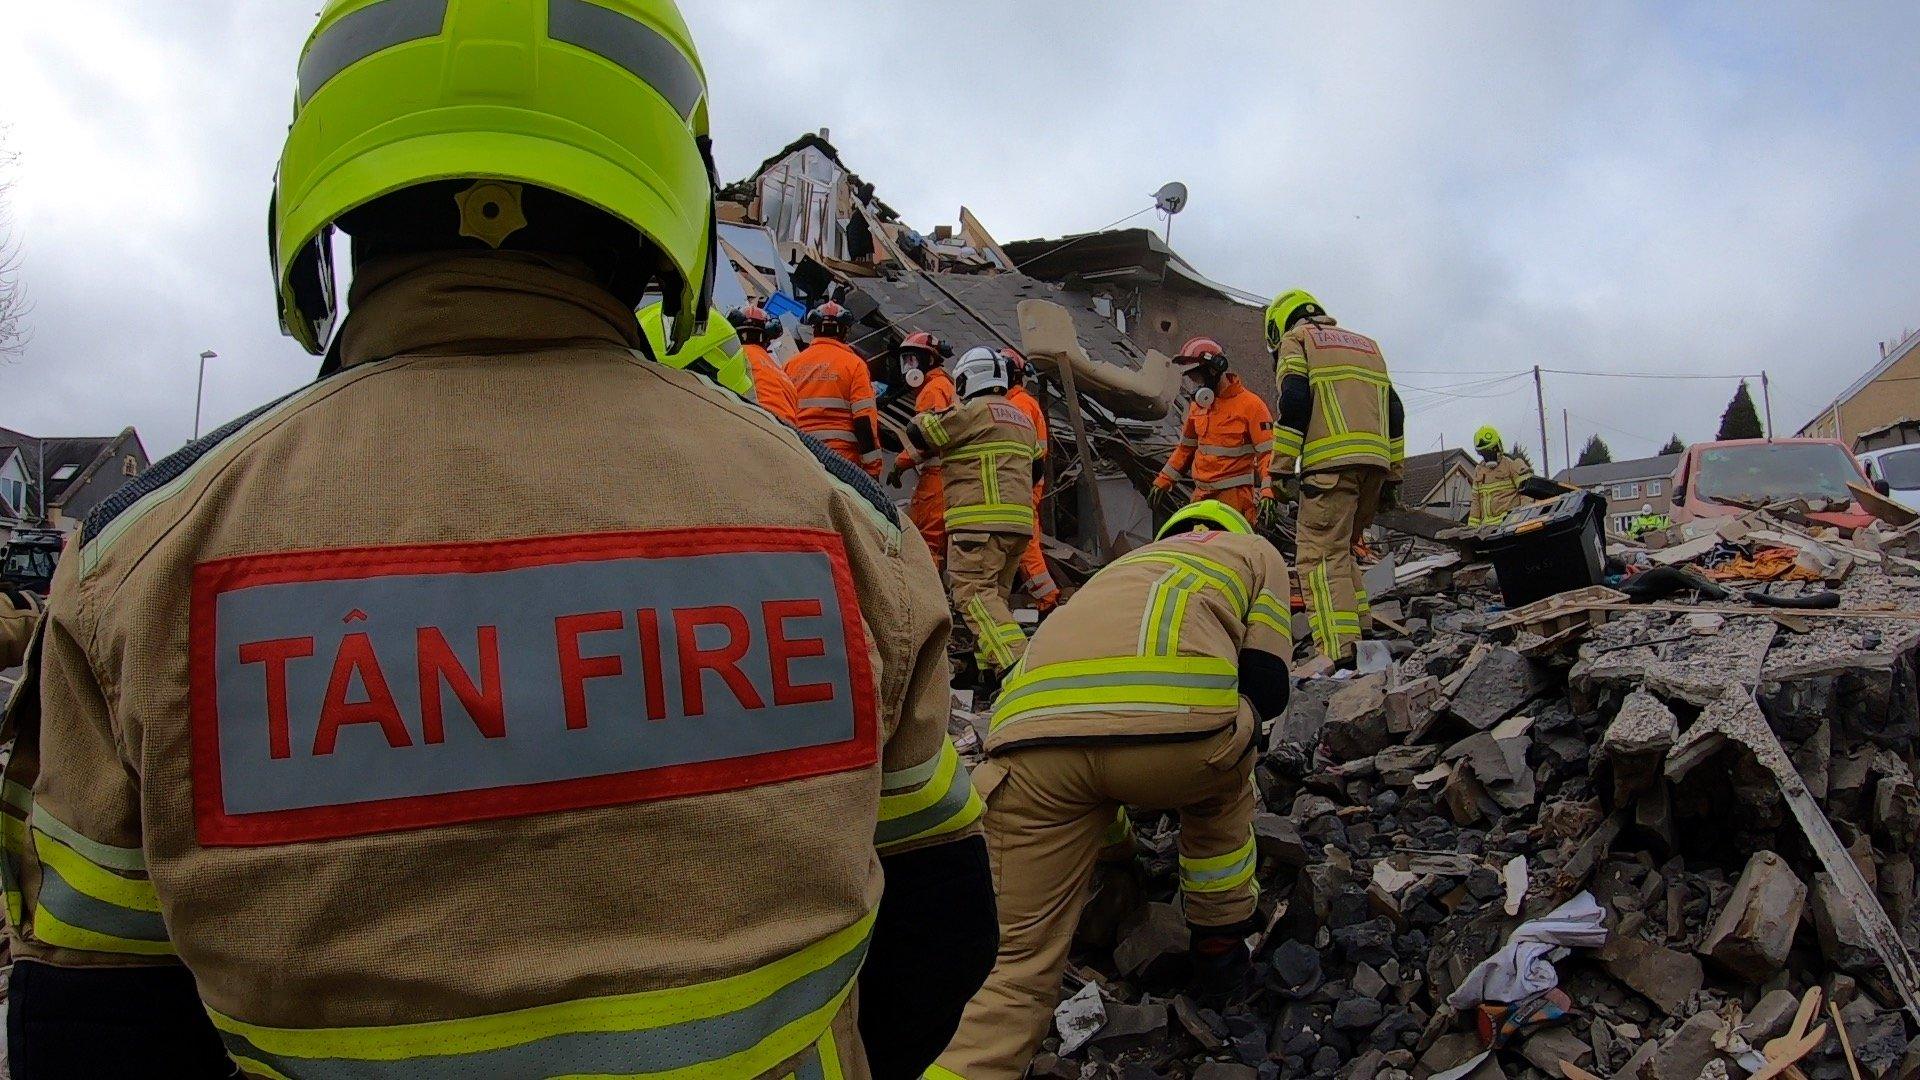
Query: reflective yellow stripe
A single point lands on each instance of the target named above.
(990, 514)
(94, 881)
(132, 860)
(49, 928)
(1220, 873)
(990, 450)
(1217, 574)
(1293, 365)
(13, 842)
(935, 1072)
(1120, 684)
(1287, 442)
(771, 1013)
(943, 803)
(17, 795)
(1340, 373)
(830, 1058)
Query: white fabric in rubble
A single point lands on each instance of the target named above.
(1080, 1018)
(1524, 966)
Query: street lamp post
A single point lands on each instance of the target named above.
(200, 390)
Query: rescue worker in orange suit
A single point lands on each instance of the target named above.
(19, 611)
(835, 390)
(988, 455)
(1183, 645)
(1033, 561)
(643, 772)
(1226, 441)
(921, 357)
(1343, 429)
(772, 390)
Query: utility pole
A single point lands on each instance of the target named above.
(200, 390)
(1566, 437)
(1540, 398)
(1766, 396)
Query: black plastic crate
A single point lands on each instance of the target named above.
(1549, 548)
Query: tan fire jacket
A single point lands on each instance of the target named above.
(1496, 489)
(1351, 418)
(17, 621)
(467, 706)
(986, 447)
(1151, 645)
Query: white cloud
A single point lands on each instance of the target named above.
(1626, 187)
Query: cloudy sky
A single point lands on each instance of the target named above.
(1674, 188)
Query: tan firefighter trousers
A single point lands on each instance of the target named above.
(1336, 507)
(982, 566)
(1049, 812)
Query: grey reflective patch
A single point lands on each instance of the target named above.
(633, 45)
(630, 702)
(77, 909)
(920, 821)
(670, 1047)
(353, 38)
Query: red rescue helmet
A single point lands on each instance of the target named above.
(1203, 353)
(830, 320)
(924, 342)
(1017, 365)
(754, 325)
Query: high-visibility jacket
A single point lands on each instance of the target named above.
(534, 778)
(1224, 446)
(1646, 523)
(771, 388)
(986, 448)
(1151, 645)
(835, 397)
(928, 507)
(1338, 408)
(1496, 489)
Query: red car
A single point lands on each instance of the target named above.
(1759, 471)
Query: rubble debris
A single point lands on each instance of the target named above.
(1756, 926)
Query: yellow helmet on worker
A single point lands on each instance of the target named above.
(1282, 312)
(1210, 515)
(714, 354)
(1488, 441)
(482, 113)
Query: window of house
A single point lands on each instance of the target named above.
(1656, 487)
(1626, 491)
(65, 472)
(1623, 523)
(130, 466)
(16, 494)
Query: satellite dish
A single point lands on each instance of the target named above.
(1171, 199)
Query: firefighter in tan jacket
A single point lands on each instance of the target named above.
(989, 455)
(609, 756)
(1147, 689)
(1496, 479)
(1342, 427)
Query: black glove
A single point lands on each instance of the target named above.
(893, 476)
(1163, 499)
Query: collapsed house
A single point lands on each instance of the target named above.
(1616, 832)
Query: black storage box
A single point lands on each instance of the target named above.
(1549, 548)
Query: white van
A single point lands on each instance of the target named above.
(1899, 467)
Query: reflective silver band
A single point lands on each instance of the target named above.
(352, 38)
(631, 44)
(1243, 450)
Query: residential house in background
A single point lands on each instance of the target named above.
(1440, 482)
(1628, 485)
(1155, 297)
(1880, 399)
(61, 480)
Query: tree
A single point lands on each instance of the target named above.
(1595, 452)
(13, 300)
(1740, 421)
(1674, 446)
(1516, 450)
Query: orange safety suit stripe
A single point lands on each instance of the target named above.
(835, 392)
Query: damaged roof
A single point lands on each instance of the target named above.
(911, 304)
(1119, 255)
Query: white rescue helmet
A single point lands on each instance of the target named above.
(981, 371)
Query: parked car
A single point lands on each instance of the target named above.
(28, 559)
(1898, 467)
(1715, 476)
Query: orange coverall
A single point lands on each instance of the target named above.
(772, 390)
(1227, 448)
(835, 395)
(1033, 561)
(928, 507)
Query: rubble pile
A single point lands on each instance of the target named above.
(1666, 843)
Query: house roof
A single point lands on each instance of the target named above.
(911, 305)
(1614, 472)
(1120, 254)
(85, 453)
(1425, 472)
(1894, 355)
(744, 190)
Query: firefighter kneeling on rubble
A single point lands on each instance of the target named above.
(624, 753)
(1149, 688)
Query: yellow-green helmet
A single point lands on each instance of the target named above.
(1207, 513)
(1283, 309)
(1488, 439)
(603, 101)
(715, 353)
